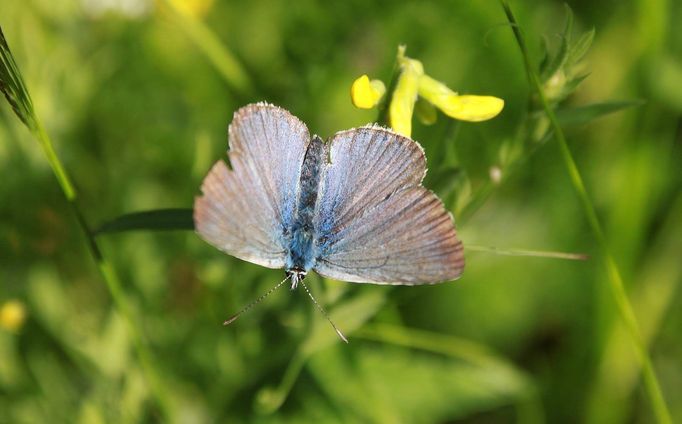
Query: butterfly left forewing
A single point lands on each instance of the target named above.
(245, 210)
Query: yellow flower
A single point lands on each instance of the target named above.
(12, 315)
(413, 88)
(465, 107)
(405, 94)
(365, 94)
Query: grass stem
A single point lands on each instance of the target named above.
(615, 279)
(526, 252)
(17, 94)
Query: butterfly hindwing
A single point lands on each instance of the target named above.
(375, 221)
(244, 210)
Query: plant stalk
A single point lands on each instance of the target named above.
(615, 279)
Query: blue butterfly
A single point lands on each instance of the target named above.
(352, 208)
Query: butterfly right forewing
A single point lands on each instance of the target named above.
(376, 223)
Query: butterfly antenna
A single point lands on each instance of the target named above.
(326, 315)
(234, 317)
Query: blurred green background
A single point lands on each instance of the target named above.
(138, 113)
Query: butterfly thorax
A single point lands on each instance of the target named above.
(300, 240)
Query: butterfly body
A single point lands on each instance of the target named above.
(301, 248)
(351, 208)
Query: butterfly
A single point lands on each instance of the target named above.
(351, 208)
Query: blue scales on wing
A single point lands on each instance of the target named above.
(245, 211)
(375, 222)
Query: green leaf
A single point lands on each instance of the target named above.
(551, 65)
(401, 385)
(583, 114)
(557, 61)
(578, 49)
(568, 28)
(561, 57)
(156, 220)
(573, 84)
(349, 315)
(546, 56)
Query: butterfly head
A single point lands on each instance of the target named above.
(296, 275)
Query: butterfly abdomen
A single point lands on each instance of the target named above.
(301, 254)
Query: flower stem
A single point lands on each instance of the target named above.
(382, 117)
(106, 270)
(623, 304)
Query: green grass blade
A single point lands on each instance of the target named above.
(15, 91)
(13, 87)
(454, 347)
(349, 315)
(584, 114)
(623, 304)
(154, 220)
(529, 405)
(224, 61)
(660, 279)
(526, 252)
